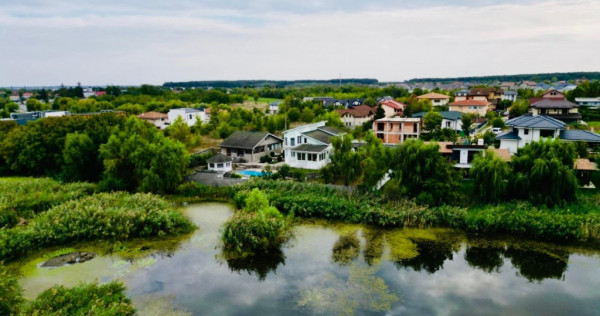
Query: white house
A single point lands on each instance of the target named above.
(309, 146)
(510, 95)
(274, 107)
(188, 115)
(160, 120)
(219, 163)
(56, 113)
(450, 119)
(356, 116)
(528, 128)
(588, 102)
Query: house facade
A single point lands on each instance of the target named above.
(510, 95)
(392, 108)
(309, 146)
(250, 146)
(554, 104)
(189, 116)
(528, 128)
(356, 116)
(160, 120)
(588, 102)
(492, 95)
(437, 99)
(397, 130)
(220, 163)
(450, 119)
(477, 107)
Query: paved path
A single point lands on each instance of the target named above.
(214, 179)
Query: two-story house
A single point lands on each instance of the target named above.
(437, 99)
(160, 120)
(392, 108)
(357, 115)
(554, 104)
(309, 146)
(477, 107)
(250, 146)
(188, 115)
(492, 95)
(450, 119)
(396, 130)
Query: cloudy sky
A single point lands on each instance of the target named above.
(148, 41)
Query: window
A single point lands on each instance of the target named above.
(190, 116)
(212, 165)
(299, 139)
(286, 141)
(525, 131)
(219, 165)
(293, 154)
(546, 133)
(305, 140)
(292, 142)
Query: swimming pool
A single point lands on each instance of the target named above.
(251, 173)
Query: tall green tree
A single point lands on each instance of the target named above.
(80, 156)
(432, 121)
(137, 157)
(490, 177)
(344, 160)
(467, 120)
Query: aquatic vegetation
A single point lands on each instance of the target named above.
(104, 216)
(25, 197)
(85, 299)
(362, 291)
(346, 249)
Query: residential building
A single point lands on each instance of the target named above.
(274, 107)
(219, 163)
(396, 130)
(477, 107)
(461, 95)
(27, 95)
(450, 119)
(507, 86)
(463, 154)
(392, 108)
(530, 128)
(588, 102)
(309, 146)
(250, 146)
(510, 95)
(525, 84)
(14, 96)
(553, 103)
(55, 113)
(437, 99)
(492, 95)
(160, 120)
(188, 115)
(357, 115)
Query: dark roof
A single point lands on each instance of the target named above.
(484, 91)
(330, 130)
(357, 111)
(448, 115)
(553, 104)
(577, 135)
(219, 158)
(311, 148)
(538, 121)
(510, 92)
(246, 140)
(508, 135)
(566, 117)
(319, 135)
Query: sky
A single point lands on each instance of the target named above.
(150, 42)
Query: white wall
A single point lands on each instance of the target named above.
(454, 125)
(297, 133)
(510, 144)
(189, 118)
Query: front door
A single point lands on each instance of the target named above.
(464, 156)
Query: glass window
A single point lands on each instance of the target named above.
(526, 131)
(292, 142)
(299, 139)
(212, 165)
(286, 141)
(219, 165)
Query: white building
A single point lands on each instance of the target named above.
(190, 116)
(356, 116)
(309, 146)
(160, 120)
(56, 113)
(219, 163)
(588, 102)
(450, 119)
(510, 95)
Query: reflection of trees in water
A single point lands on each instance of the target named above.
(484, 258)
(260, 264)
(362, 291)
(537, 266)
(346, 249)
(374, 246)
(431, 257)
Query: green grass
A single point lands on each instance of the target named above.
(267, 100)
(593, 123)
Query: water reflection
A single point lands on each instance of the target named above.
(431, 257)
(260, 264)
(346, 249)
(537, 266)
(487, 259)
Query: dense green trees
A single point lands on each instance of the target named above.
(80, 157)
(180, 131)
(467, 120)
(345, 162)
(432, 121)
(491, 177)
(137, 157)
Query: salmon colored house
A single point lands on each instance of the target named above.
(396, 130)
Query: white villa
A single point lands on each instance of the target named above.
(309, 146)
(188, 115)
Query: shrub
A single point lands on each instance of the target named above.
(202, 191)
(266, 159)
(104, 216)
(10, 293)
(259, 228)
(85, 299)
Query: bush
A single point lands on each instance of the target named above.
(266, 159)
(258, 228)
(104, 216)
(197, 190)
(25, 197)
(85, 299)
(10, 293)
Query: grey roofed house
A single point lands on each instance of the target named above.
(323, 134)
(447, 115)
(250, 146)
(247, 140)
(508, 135)
(219, 158)
(538, 121)
(554, 104)
(577, 135)
(510, 92)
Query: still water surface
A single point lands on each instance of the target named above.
(339, 269)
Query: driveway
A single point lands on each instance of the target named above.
(214, 179)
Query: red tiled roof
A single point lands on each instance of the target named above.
(358, 111)
(394, 104)
(99, 93)
(470, 103)
(503, 154)
(152, 115)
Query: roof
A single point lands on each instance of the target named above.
(246, 140)
(433, 95)
(330, 130)
(485, 91)
(577, 135)
(508, 135)
(358, 111)
(560, 94)
(310, 148)
(398, 119)
(538, 121)
(503, 154)
(585, 164)
(320, 135)
(219, 158)
(394, 104)
(188, 110)
(152, 115)
(447, 115)
(470, 103)
(443, 146)
(510, 92)
(553, 104)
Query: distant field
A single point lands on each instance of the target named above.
(593, 124)
(267, 100)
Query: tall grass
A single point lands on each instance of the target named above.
(25, 197)
(104, 216)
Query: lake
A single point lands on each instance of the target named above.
(341, 269)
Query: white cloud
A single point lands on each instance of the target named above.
(117, 44)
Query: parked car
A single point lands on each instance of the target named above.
(496, 130)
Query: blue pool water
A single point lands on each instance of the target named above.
(251, 173)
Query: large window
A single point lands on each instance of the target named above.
(546, 133)
(292, 142)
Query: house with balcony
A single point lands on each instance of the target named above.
(477, 107)
(309, 146)
(357, 115)
(554, 104)
(397, 130)
(592, 103)
(437, 99)
(250, 146)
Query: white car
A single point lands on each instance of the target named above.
(496, 130)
